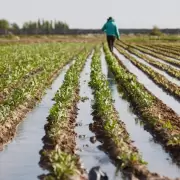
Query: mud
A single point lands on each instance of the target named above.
(165, 73)
(149, 84)
(65, 140)
(174, 88)
(175, 63)
(160, 110)
(88, 147)
(161, 161)
(140, 171)
(8, 129)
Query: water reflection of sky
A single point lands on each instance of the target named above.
(158, 160)
(19, 159)
(90, 154)
(150, 85)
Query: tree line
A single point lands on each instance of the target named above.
(58, 27)
(33, 27)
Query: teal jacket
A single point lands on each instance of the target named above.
(111, 29)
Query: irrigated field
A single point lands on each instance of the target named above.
(66, 107)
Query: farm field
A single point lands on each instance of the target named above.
(69, 105)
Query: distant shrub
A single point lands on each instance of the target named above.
(156, 31)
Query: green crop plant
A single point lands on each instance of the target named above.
(63, 163)
(104, 109)
(168, 125)
(175, 140)
(143, 101)
(30, 70)
(159, 79)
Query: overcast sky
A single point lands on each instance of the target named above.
(93, 13)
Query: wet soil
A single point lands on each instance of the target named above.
(149, 84)
(162, 82)
(164, 73)
(88, 146)
(20, 157)
(161, 161)
(165, 113)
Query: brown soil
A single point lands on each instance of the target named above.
(8, 128)
(140, 171)
(4, 94)
(66, 141)
(152, 54)
(162, 112)
(46, 39)
(166, 114)
(172, 88)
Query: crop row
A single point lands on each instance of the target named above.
(159, 79)
(26, 90)
(29, 62)
(172, 46)
(109, 129)
(167, 68)
(156, 55)
(159, 119)
(20, 62)
(162, 51)
(49, 60)
(23, 98)
(57, 155)
(175, 47)
(37, 64)
(169, 51)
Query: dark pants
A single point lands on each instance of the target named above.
(110, 40)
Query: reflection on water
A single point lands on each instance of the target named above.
(158, 160)
(161, 61)
(19, 159)
(89, 153)
(167, 76)
(149, 84)
(110, 80)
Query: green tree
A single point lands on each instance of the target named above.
(15, 28)
(156, 31)
(44, 27)
(4, 26)
(60, 27)
(30, 27)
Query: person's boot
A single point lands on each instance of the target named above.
(97, 174)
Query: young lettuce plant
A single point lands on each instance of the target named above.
(113, 129)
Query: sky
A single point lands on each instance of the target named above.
(93, 13)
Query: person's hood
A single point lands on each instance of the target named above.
(111, 20)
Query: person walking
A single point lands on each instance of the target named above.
(112, 32)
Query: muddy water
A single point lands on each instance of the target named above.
(149, 84)
(89, 153)
(170, 78)
(19, 159)
(158, 160)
